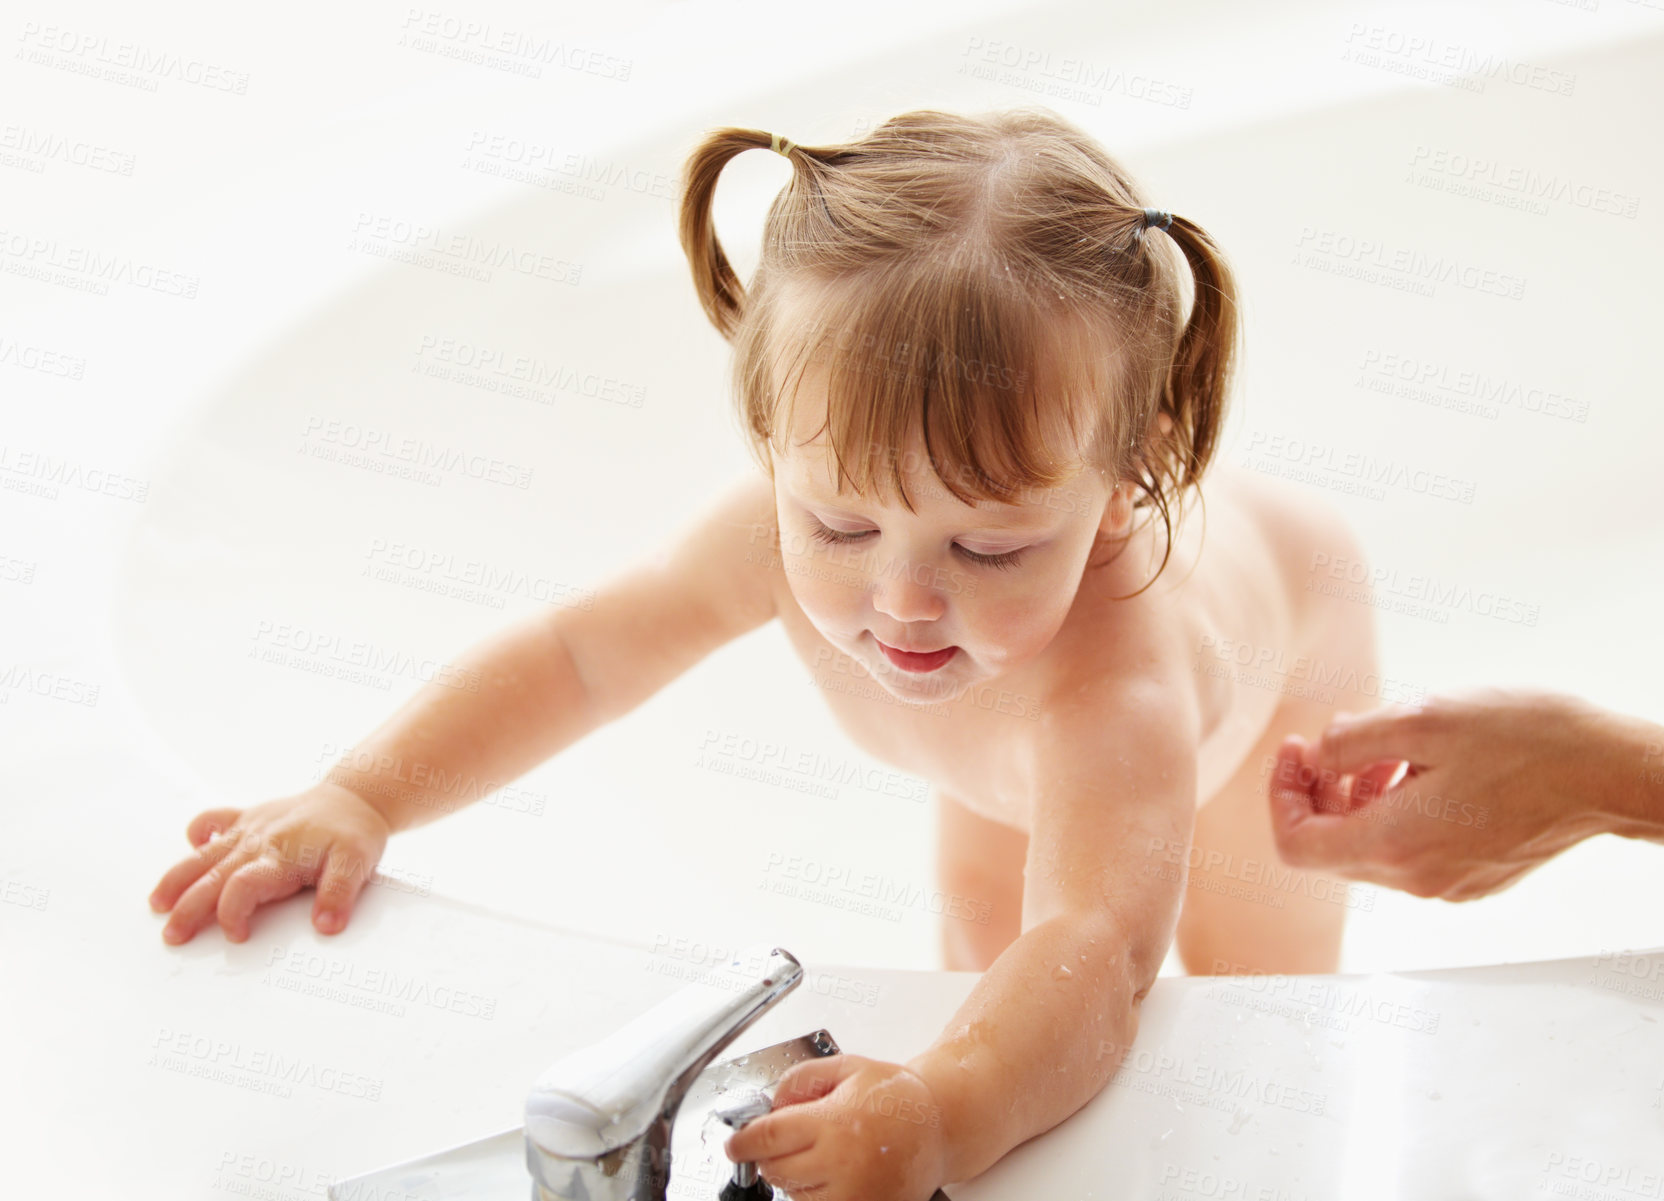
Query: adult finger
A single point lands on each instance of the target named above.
(345, 872)
(195, 908)
(188, 870)
(1381, 734)
(256, 883)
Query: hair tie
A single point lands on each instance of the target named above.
(780, 145)
(1159, 218)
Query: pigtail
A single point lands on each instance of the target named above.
(720, 292)
(1190, 411)
(1197, 387)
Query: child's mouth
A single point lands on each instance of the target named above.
(908, 661)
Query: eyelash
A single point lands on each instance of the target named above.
(1004, 562)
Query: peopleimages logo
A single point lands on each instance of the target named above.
(365, 446)
(259, 1069)
(1421, 594)
(88, 268)
(354, 660)
(836, 880)
(1407, 262)
(1277, 665)
(303, 969)
(768, 756)
(88, 53)
(1358, 467)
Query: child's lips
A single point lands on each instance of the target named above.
(914, 661)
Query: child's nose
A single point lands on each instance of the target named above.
(906, 592)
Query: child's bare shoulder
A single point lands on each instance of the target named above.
(728, 556)
(1303, 530)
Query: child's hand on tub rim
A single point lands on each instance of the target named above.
(327, 837)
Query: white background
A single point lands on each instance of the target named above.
(260, 195)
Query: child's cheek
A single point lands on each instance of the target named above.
(1017, 608)
(829, 595)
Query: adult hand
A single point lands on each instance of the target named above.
(1461, 796)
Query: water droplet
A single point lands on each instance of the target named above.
(1061, 971)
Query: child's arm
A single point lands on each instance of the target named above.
(543, 684)
(1047, 1024)
(553, 678)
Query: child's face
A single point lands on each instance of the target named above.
(993, 581)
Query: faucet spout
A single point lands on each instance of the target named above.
(598, 1121)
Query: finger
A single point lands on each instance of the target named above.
(254, 884)
(803, 1175)
(344, 875)
(195, 908)
(209, 823)
(1290, 795)
(1296, 781)
(1304, 836)
(783, 1132)
(813, 1078)
(1371, 737)
(183, 874)
(1334, 841)
(1372, 782)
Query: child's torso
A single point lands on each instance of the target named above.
(1210, 606)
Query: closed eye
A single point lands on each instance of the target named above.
(1004, 561)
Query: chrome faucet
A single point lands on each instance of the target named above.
(599, 1121)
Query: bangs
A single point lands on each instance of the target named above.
(1007, 387)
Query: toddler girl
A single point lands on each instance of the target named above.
(980, 378)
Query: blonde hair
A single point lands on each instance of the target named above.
(987, 280)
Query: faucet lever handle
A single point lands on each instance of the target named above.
(748, 1110)
(746, 1185)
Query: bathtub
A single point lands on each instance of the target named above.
(262, 576)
